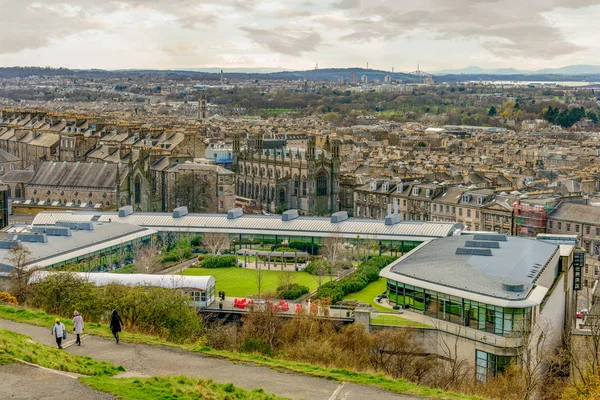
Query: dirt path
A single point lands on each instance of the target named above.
(146, 360)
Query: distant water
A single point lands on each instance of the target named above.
(539, 83)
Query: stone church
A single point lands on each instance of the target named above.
(280, 177)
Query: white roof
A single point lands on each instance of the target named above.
(164, 281)
(263, 225)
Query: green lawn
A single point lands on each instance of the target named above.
(16, 345)
(368, 294)
(174, 387)
(241, 282)
(394, 320)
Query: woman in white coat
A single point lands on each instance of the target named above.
(77, 327)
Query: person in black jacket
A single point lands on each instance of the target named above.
(115, 324)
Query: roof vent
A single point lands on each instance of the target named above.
(494, 237)
(76, 225)
(513, 286)
(32, 237)
(289, 215)
(392, 219)
(125, 211)
(462, 251)
(7, 244)
(52, 230)
(235, 213)
(483, 244)
(339, 217)
(180, 212)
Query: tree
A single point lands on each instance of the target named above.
(320, 269)
(19, 257)
(147, 260)
(259, 275)
(183, 247)
(216, 242)
(333, 250)
(492, 111)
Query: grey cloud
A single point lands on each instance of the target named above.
(346, 4)
(284, 40)
(522, 32)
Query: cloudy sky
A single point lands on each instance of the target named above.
(296, 34)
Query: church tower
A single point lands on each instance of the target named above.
(202, 108)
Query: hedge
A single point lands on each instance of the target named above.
(367, 272)
(291, 292)
(303, 246)
(219, 262)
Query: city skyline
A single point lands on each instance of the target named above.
(264, 34)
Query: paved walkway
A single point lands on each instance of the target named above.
(146, 360)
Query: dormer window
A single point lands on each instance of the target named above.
(373, 185)
(385, 187)
(400, 187)
(429, 192)
(480, 200)
(415, 191)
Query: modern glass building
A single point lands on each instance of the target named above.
(486, 288)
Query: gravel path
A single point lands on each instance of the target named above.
(18, 381)
(145, 360)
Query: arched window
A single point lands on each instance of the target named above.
(272, 193)
(9, 192)
(137, 189)
(12, 167)
(249, 190)
(18, 192)
(282, 195)
(264, 192)
(322, 181)
(241, 189)
(256, 191)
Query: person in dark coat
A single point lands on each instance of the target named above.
(115, 324)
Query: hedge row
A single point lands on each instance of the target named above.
(367, 272)
(219, 262)
(291, 292)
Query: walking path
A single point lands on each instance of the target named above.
(146, 360)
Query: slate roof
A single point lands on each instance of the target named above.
(74, 174)
(577, 213)
(7, 157)
(23, 176)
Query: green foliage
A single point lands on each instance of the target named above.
(292, 292)
(492, 111)
(128, 269)
(253, 345)
(285, 249)
(174, 387)
(196, 241)
(567, 117)
(318, 267)
(163, 312)
(367, 272)
(219, 262)
(22, 347)
(306, 247)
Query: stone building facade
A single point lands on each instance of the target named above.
(281, 178)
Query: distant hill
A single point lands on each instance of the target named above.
(568, 70)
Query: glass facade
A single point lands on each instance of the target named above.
(489, 365)
(484, 317)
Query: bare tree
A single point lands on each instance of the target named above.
(216, 242)
(19, 257)
(334, 251)
(147, 260)
(183, 246)
(286, 279)
(455, 369)
(259, 277)
(320, 269)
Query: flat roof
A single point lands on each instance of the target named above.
(81, 242)
(263, 225)
(515, 261)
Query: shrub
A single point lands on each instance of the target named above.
(196, 241)
(307, 247)
(285, 249)
(252, 345)
(318, 267)
(219, 262)
(291, 292)
(367, 272)
(7, 298)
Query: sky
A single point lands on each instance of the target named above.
(298, 34)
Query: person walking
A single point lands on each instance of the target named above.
(78, 327)
(59, 331)
(115, 324)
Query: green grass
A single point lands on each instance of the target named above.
(270, 111)
(336, 374)
(16, 345)
(395, 320)
(174, 387)
(368, 294)
(241, 282)
(128, 269)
